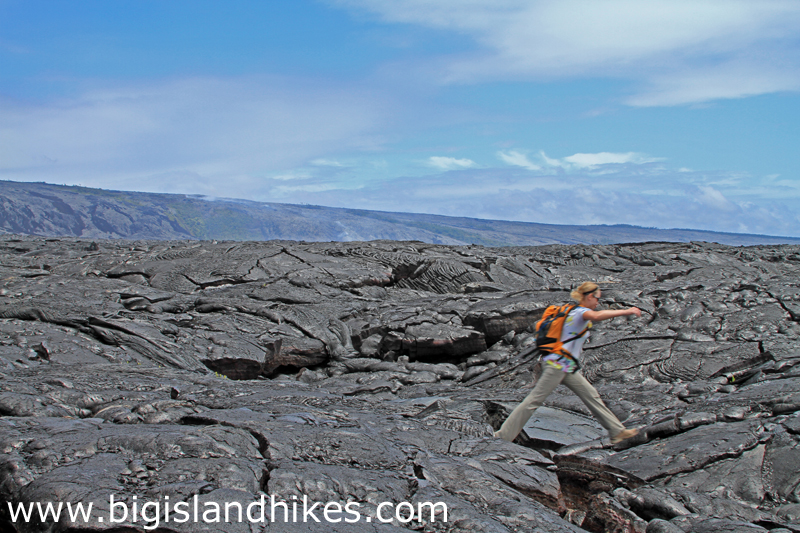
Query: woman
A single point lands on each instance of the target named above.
(557, 369)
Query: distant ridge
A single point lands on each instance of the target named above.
(71, 211)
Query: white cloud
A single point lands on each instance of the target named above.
(713, 198)
(623, 195)
(682, 51)
(215, 135)
(576, 162)
(326, 163)
(518, 159)
(450, 163)
(291, 176)
(606, 158)
(734, 79)
(550, 162)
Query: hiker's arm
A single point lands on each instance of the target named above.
(605, 314)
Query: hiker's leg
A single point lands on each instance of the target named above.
(548, 381)
(588, 394)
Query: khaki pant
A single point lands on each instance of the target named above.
(549, 380)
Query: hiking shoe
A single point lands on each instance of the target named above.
(624, 434)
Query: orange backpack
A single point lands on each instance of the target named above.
(549, 328)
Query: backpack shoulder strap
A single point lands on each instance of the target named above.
(578, 336)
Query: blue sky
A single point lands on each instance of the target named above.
(670, 114)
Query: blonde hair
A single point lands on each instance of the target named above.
(587, 287)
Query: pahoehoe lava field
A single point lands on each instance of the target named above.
(217, 372)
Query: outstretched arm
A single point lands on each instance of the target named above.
(605, 314)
